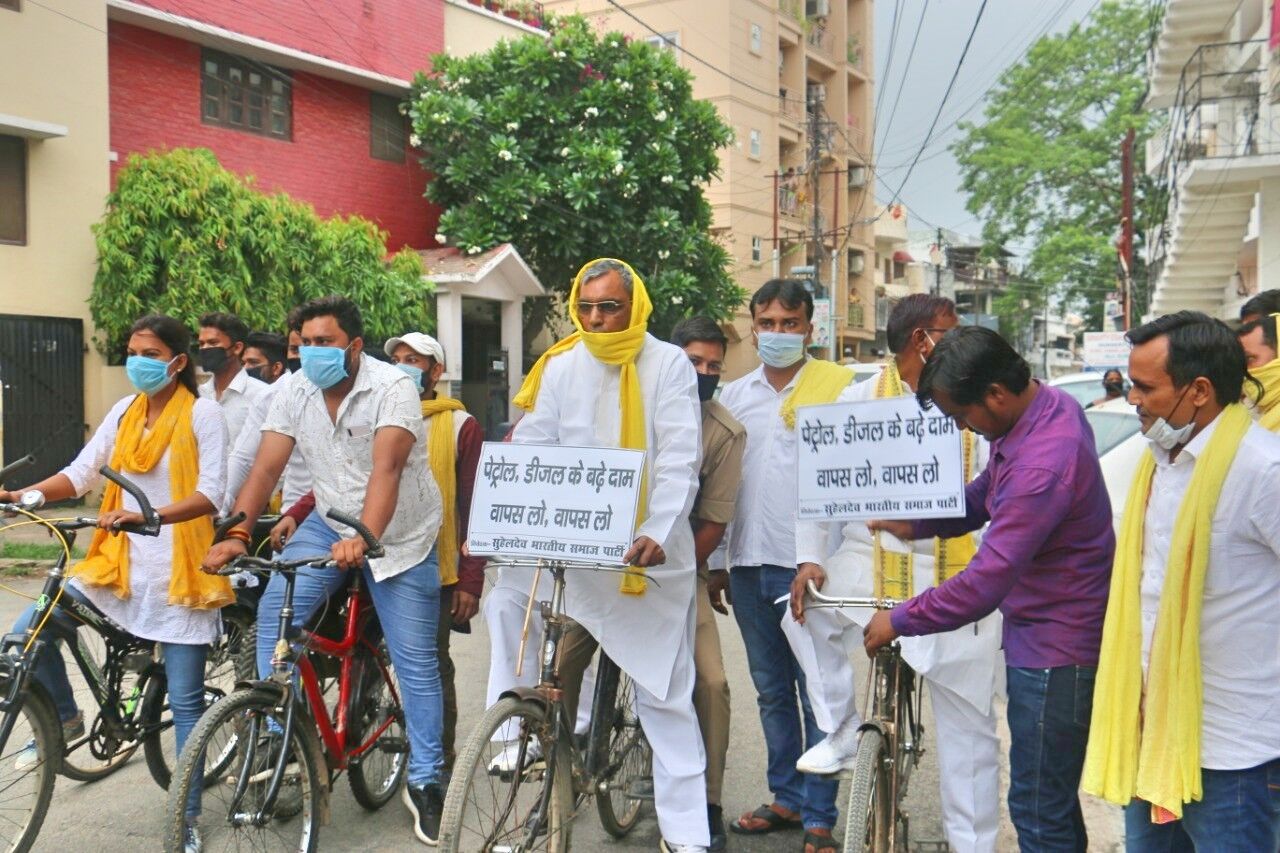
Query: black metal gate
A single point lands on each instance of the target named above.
(42, 374)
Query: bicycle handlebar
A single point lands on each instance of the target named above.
(16, 465)
(221, 527)
(249, 563)
(373, 546)
(819, 600)
(151, 523)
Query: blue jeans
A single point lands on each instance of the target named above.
(1239, 810)
(183, 669)
(1049, 712)
(408, 606)
(780, 692)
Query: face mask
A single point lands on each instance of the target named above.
(259, 373)
(1115, 388)
(148, 375)
(294, 364)
(324, 366)
(707, 386)
(414, 373)
(780, 349)
(212, 359)
(1167, 437)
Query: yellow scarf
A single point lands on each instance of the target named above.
(442, 453)
(895, 571)
(1269, 375)
(619, 348)
(107, 562)
(820, 382)
(1149, 747)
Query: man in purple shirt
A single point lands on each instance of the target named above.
(1045, 561)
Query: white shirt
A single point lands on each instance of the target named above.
(578, 404)
(296, 480)
(1240, 619)
(242, 395)
(966, 660)
(339, 455)
(764, 531)
(147, 612)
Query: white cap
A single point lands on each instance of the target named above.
(422, 344)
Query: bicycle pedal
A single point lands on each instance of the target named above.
(930, 847)
(638, 789)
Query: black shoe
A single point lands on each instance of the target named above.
(715, 822)
(426, 804)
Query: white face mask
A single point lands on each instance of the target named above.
(1167, 437)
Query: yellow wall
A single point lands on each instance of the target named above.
(470, 29)
(53, 59)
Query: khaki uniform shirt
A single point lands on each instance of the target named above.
(723, 440)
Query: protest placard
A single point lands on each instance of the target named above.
(878, 459)
(557, 502)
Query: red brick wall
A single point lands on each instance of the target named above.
(392, 37)
(155, 104)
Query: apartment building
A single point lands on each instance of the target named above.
(793, 78)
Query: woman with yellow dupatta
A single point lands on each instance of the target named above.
(172, 445)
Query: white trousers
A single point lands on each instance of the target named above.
(967, 744)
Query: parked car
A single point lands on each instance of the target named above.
(1084, 387)
(1117, 433)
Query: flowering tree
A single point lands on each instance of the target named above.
(573, 147)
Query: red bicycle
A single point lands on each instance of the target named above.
(276, 749)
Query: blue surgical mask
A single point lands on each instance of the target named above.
(414, 373)
(780, 349)
(324, 366)
(148, 375)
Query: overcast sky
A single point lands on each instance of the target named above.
(1007, 29)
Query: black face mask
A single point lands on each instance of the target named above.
(1113, 388)
(707, 386)
(294, 364)
(259, 372)
(212, 359)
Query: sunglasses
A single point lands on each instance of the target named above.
(608, 307)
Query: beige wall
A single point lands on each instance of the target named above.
(53, 59)
(470, 29)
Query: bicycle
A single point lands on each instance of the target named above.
(265, 727)
(890, 744)
(122, 676)
(532, 805)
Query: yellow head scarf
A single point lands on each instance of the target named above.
(1149, 746)
(107, 562)
(442, 454)
(618, 348)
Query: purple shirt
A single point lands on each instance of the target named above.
(1045, 561)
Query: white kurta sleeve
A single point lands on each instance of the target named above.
(211, 441)
(542, 425)
(813, 539)
(240, 462)
(675, 454)
(83, 470)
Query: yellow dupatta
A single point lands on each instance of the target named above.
(106, 564)
(1149, 746)
(819, 382)
(1269, 375)
(616, 348)
(442, 454)
(894, 574)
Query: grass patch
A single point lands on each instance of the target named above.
(35, 551)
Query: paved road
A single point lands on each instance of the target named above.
(122, 814)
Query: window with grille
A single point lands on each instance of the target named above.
(244, 95)
(13, 190)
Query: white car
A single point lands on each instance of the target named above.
(1084, 387)
(1118, 435)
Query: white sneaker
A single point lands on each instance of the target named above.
(505, 761)
(836, 752)
(667, 847)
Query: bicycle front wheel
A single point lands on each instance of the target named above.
(869, 814)
(524, 802)
(29, 761)
(244, 734)
(377, 725)
(628, 759)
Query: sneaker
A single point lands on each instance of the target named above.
(667, 847)
(836, 752)
(72, 729)
(425, 804)
(191, 840)
(504, 763)
(715, 823)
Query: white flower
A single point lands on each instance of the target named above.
(661, 115)
(617, 169)
(666, 179)
(474, 250)
(677, 300)
(625, 85)
(663, 254)
(442, 239)
(462, 81)
(564, 152)
(667, 85)
(653, 145)
(592, 111)
(504, 154)
(662, 223)
(524, 216)
(415, 140)
(560, 54)
(442, 118)
(613, 43)
(513, 125)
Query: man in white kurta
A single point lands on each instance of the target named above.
(963, 667)
(649, 636)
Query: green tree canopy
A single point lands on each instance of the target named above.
(1042, 168)
(574, 147)
(182, 236)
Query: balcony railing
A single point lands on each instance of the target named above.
(788, 106)
(856, 316)
(789, 197)
(819, 38)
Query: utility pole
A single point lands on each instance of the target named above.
(815, 164)
(1044, 337)
(937, 270)
(1126, 227)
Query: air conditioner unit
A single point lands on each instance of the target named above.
(815, 93)
(817, 8)
(857, 177)
(857, 263)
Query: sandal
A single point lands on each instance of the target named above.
(773, 821)
(818, 842)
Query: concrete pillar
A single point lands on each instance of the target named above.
(1268, 205)
(513, 342)
(449, 332)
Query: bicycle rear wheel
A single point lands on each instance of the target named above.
(529, 809)
(869, 815)
(377, 773)
(245, 731)
(628, 758)
(29, 762)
